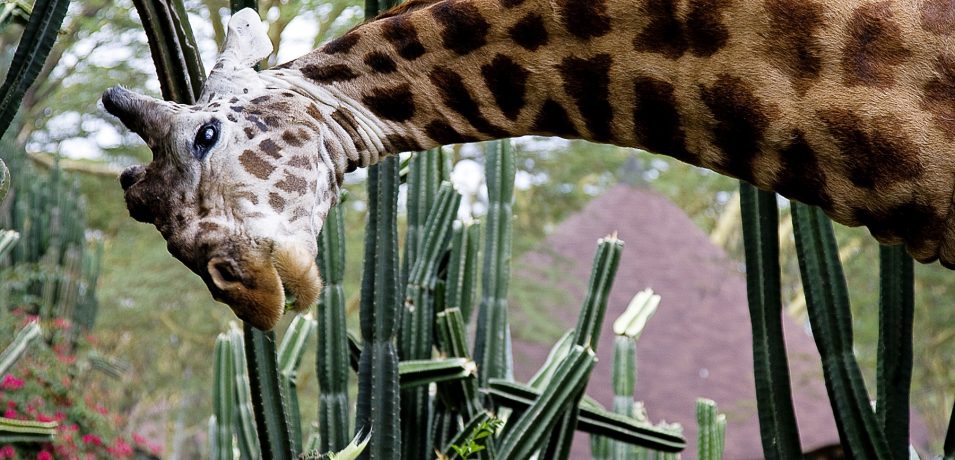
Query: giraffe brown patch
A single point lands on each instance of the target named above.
(912, 222)
(876, 152)
(347, 121)
(444, 134)
(236, 108)
(257, 122)
(207, 227)
(800, 176)
(395, 103)
(792, 44)
(255, 165)
(939, 95)
(464, 29)
(301, 161)
(874, 46)
(511, 3)
(276, 202)
(552, 119)
(270, 148)
(741, 121)
(585, 19)
(507, 81)
(664, 34)
(260, 99)
(587, 81)
(292, 139)
(398, 143)
(232, 118)
(657, 123)
(704, 27)
(380, 62)
(455, 95)
(328, 73)
(938, 16)
(249, 132)
(272, 121)
(529, 32)
(342, 44)
(292, 184)
(312, 111)
(403, 36)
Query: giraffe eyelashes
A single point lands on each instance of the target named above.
(206, 138)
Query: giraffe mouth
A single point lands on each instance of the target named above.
(261, 285)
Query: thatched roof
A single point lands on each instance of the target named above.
(699, 342)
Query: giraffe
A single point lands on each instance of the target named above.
(844, 104)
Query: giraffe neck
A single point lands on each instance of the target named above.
(842, 104)
(436, 73)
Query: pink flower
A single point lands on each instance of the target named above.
(44, 455)
(61, 323)
(139, 439)
(120, 448)
(45, 418)
(10, 413)
(92, 439)
(10, 382)
(7, 452)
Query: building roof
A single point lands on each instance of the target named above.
(699, 342)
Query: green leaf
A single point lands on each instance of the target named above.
(35, 45)
(777, 420)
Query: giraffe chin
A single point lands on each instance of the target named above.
(257, 287)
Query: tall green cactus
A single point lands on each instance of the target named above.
(777, 420)
(894, 367)
(711, 434)
(492, 349)
(19, 346)
(378, 388)
(246, 432)
(462, 271)
(417, 331)
(827, 300)
(331, 357)
(290, 354)
(35, 45)
(223, 399)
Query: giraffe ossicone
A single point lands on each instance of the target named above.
(843, 104)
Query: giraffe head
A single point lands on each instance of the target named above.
(239, 184)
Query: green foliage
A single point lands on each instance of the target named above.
(476, 441)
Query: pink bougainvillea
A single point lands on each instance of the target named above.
(10, 382)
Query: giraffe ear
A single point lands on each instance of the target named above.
(246, 43)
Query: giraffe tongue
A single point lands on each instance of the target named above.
(299, 275)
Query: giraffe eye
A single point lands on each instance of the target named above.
(206, 138)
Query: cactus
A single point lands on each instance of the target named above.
(894, 367)
(827, 302)
(492, 349)
(244, 416)
(13, 430)
(35, 45)
(711, 435)
(173, 48)
(289, 358)
(223, 399)
(415, 339)
(378, 395)
(268, 398)
(18, 347)
(462, 271)
(331, 357)
(777, 421)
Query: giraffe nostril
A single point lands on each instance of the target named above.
(131, 176)
(224, 272)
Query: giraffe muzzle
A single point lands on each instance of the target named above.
(259, 284)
